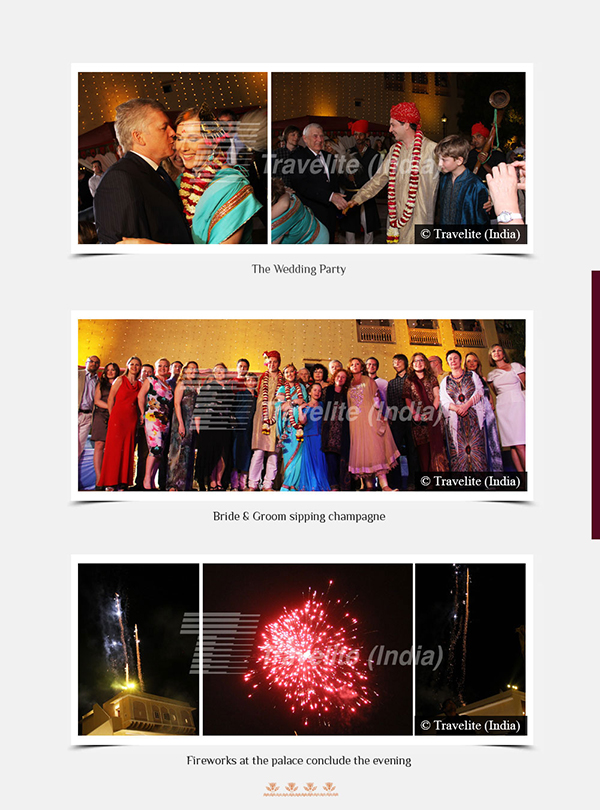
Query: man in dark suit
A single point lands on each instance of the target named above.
(315, 180)
(137, 199)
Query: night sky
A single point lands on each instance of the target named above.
(496, 609)
(381, 599)
(153, 596)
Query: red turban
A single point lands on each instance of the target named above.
(359, 126)
(479, 129)
(406, 113)
(267, 355)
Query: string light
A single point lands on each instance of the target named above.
(209, 341)
(101, 93)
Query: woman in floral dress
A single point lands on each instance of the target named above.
(154, 399)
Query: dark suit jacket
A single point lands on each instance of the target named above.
(310, 182)
(369, 162)
(133, 200)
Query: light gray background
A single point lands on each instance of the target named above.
(44, 284)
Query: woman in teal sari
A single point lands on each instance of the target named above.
(291, 397)
(218, 200)
(292, 223)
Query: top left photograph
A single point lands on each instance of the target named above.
(170, 158)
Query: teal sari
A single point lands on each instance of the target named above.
(227, 204)
(299, 226)
(291, 448)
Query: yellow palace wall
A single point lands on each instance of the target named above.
(224, 341)
(101, 93)
(298, 94)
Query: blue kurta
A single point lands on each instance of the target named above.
(461, 202)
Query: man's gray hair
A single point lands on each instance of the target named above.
(308, 128)
(131, 116)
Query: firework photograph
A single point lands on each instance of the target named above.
(294, 649)
(138, 649)
(473, 617)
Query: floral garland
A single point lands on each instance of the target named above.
(413, 186)
(288, 398)
(193, 185)
(268, 422)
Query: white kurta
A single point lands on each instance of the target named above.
(428, 182)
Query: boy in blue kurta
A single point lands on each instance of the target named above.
(461, 194)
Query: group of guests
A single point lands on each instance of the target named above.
(320, 186)
(309, 429)
(194, 182)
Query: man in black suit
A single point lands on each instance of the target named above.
(315, 180)
(136, 198)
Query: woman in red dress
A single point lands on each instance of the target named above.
(117, 465)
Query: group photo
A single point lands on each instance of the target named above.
(367, 158)
(289, 405)
(172, 158)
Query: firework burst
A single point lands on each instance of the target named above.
(456, 669)
(311, 658)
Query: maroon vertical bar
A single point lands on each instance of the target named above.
(595, 399)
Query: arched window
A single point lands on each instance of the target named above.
(139, 710)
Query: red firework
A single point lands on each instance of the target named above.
(311, 656)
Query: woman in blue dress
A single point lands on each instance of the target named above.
(291, 397)
(313, 467)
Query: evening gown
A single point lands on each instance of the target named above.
(372, 447)
(465, 435)
(180, 475)
(117, 465)
(100, 418)
(313, 465)
(157, 416)
(510, 404)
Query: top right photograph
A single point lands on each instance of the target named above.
(404, 158)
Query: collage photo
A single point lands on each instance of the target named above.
(308, 424)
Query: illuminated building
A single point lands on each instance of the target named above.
(128, 714)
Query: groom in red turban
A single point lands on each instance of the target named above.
(411, 174)
(264, 428)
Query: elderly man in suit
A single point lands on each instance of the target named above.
(136, 198)
(87, 380)
(315, 180)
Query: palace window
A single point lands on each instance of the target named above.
(420, 83)
(442, 84)
(394, 81)
(424, 332)
(468, 334)
(376, 331)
